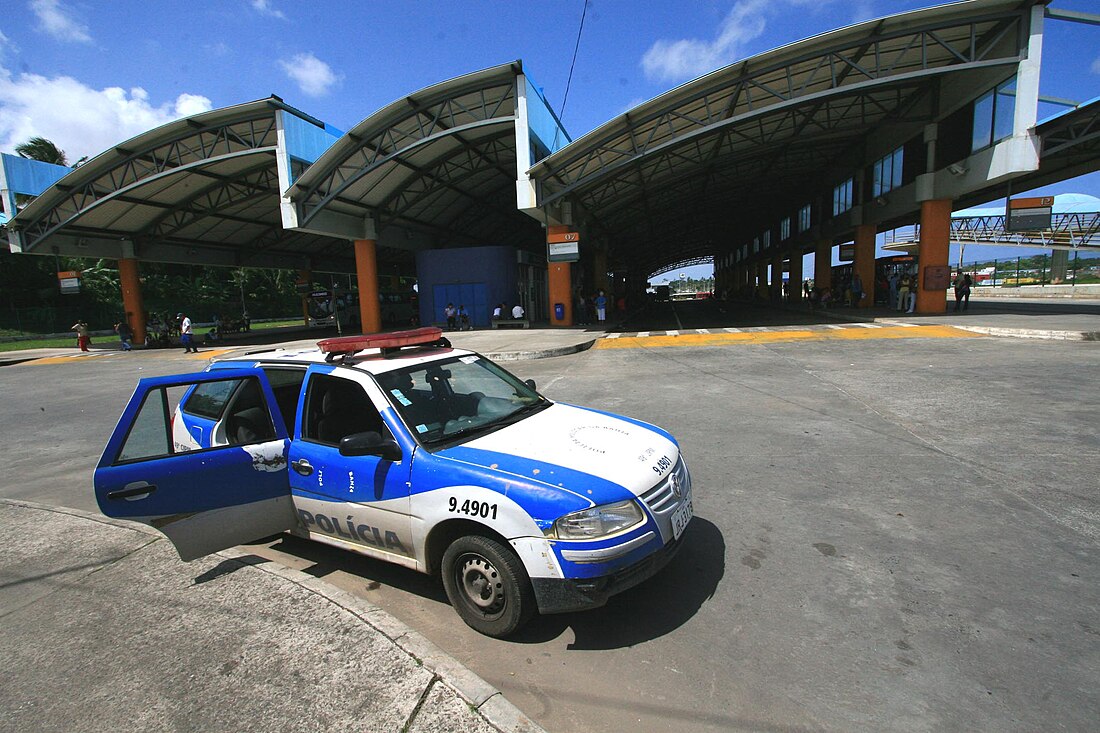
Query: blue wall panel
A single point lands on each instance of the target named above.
(477, 277)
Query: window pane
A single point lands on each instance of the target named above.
(896, 168)
(983, 122)
(1005, 110)
(148, 436)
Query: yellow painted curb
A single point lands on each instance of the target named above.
(774, 337)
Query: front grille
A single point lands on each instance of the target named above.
(661, 498)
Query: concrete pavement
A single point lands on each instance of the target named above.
(104, 629)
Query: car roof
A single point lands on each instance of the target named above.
(369, 360)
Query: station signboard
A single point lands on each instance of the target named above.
(69, 281)
(563, 247)
(848, 252)
(1029, 214)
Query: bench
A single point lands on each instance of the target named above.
(511, 323)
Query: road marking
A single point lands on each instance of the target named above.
(613, 335)
(835, 333)
(672, 333)
(732, 330)
(868, 325)
(642, 334)
(831, 325)
(702, 330)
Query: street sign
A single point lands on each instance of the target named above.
(563, 247)
(69, 281)
(1029, 214)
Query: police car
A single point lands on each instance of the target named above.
(401, 448)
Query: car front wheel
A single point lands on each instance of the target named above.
(487, 585)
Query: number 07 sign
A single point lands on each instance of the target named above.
(563, 247)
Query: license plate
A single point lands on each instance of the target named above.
(680, 519)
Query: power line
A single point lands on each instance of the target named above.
(572, 63)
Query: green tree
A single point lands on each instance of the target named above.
(39, 148)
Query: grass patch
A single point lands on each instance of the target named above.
(39, 344)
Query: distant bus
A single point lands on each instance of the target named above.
(396, 308)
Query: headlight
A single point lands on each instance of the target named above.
(599, 521)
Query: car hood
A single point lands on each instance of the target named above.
(598, 456)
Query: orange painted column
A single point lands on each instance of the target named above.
(823, 265)
(132, 301)
(366, 270)
(794, 277)
(864, 263)
(560, 282)
(935, 247)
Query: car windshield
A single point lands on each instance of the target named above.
(452, 399)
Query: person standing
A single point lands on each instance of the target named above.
(187, 338)
(857, 289)
(449, 314)
(82, 339)
(904, 282)
(601, 307)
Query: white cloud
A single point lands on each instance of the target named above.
(78, 119)
(57, 20)
(687, 58)
(1096, 66)
(313, 76)
(680, 60)
(263, 7)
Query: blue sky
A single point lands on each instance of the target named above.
(89, 75)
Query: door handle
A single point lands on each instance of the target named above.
(132, 490)
(302, 467)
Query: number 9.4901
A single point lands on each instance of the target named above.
(473, 508)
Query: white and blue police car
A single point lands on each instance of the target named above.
(401, 448)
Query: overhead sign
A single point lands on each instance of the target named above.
(563, 247)
(1029, 214)
(69, 280)
(848, 251)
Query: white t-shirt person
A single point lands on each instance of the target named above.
(517, 311)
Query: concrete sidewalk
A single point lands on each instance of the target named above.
(104, 629)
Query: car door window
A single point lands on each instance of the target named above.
(287, 385)
(337, 408)
(239, 402)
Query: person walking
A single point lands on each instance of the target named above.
(962, 292)
(82, 338)
(857, 289)
(125, 334)
(187, 338)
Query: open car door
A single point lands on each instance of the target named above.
(208, 499)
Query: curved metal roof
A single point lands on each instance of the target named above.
(441, 161)
(694, 171)
(202, 189)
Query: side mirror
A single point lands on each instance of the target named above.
(370, 444)
(530, 383)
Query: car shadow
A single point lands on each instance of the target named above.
(648, 611)
(658, 606)
(327, 559)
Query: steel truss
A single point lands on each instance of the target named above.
(723, 149)
(469, 135)
(203, 146)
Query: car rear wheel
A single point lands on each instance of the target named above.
(487, 585)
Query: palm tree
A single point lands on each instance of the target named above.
(39, 148)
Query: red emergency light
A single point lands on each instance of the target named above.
(386, 342)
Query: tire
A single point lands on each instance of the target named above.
(487, 585)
